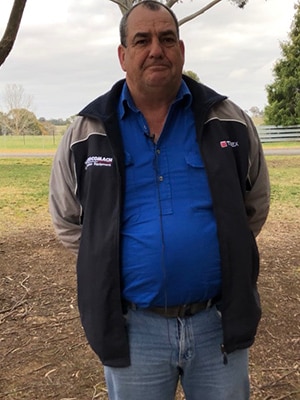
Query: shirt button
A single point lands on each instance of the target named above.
(161, 178)
(157, 151)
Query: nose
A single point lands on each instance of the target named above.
(156, 49)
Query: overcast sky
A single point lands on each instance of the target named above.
(66, 50)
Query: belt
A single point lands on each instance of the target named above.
(185, 310)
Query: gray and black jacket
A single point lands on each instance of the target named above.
(86, 194)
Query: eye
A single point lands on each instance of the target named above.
(140, 42)
(168, 41)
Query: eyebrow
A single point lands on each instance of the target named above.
(139, 35)
(147, 34)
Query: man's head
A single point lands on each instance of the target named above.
(151, 53)
(151, 5)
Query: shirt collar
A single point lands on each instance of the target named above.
(126, 102)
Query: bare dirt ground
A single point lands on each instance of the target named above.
(44, 353)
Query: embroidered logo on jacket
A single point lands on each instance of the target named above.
(228, 143)
(98, 161)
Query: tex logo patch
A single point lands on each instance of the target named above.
(228, 143)
(98, 161)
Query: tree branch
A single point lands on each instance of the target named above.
(124, 5)
(12, 28)
(170, 3)
(197, 13)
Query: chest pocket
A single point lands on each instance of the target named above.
(194, 160)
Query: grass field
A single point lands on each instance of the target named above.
(28, 144)
(285, 183)
(23, 188)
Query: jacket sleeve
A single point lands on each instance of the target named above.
(64, 207)
(257, 199)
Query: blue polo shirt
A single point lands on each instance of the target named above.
(169, 245)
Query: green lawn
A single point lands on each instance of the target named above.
(23, 188)
(28, 144)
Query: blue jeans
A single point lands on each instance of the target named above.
(165, 351)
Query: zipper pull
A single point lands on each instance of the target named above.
(225, 357)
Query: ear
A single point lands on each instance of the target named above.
(121, 55)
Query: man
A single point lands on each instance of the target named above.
(161, 186)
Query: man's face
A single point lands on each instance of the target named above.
(154, 56)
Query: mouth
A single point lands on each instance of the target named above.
(158, 67)
(156, 64)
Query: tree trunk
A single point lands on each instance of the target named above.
(12, 28)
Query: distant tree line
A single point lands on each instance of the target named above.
(58, 121)
(19, 120)
(24, 122)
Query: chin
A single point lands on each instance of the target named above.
(159, 81)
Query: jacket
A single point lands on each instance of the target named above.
(86, 194)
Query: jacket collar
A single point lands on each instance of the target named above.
(105, 106)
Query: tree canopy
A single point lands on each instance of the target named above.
(284, 93)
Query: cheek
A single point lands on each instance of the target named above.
(134, 64)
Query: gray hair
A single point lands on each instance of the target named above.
(152, 5)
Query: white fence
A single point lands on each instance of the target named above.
(270, 133)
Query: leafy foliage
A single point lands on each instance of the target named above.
(284, 93)
(192, 75)
(22, 122)
(240, 3)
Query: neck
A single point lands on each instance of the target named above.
(154, 103)
(155, 115)
(153, 99)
